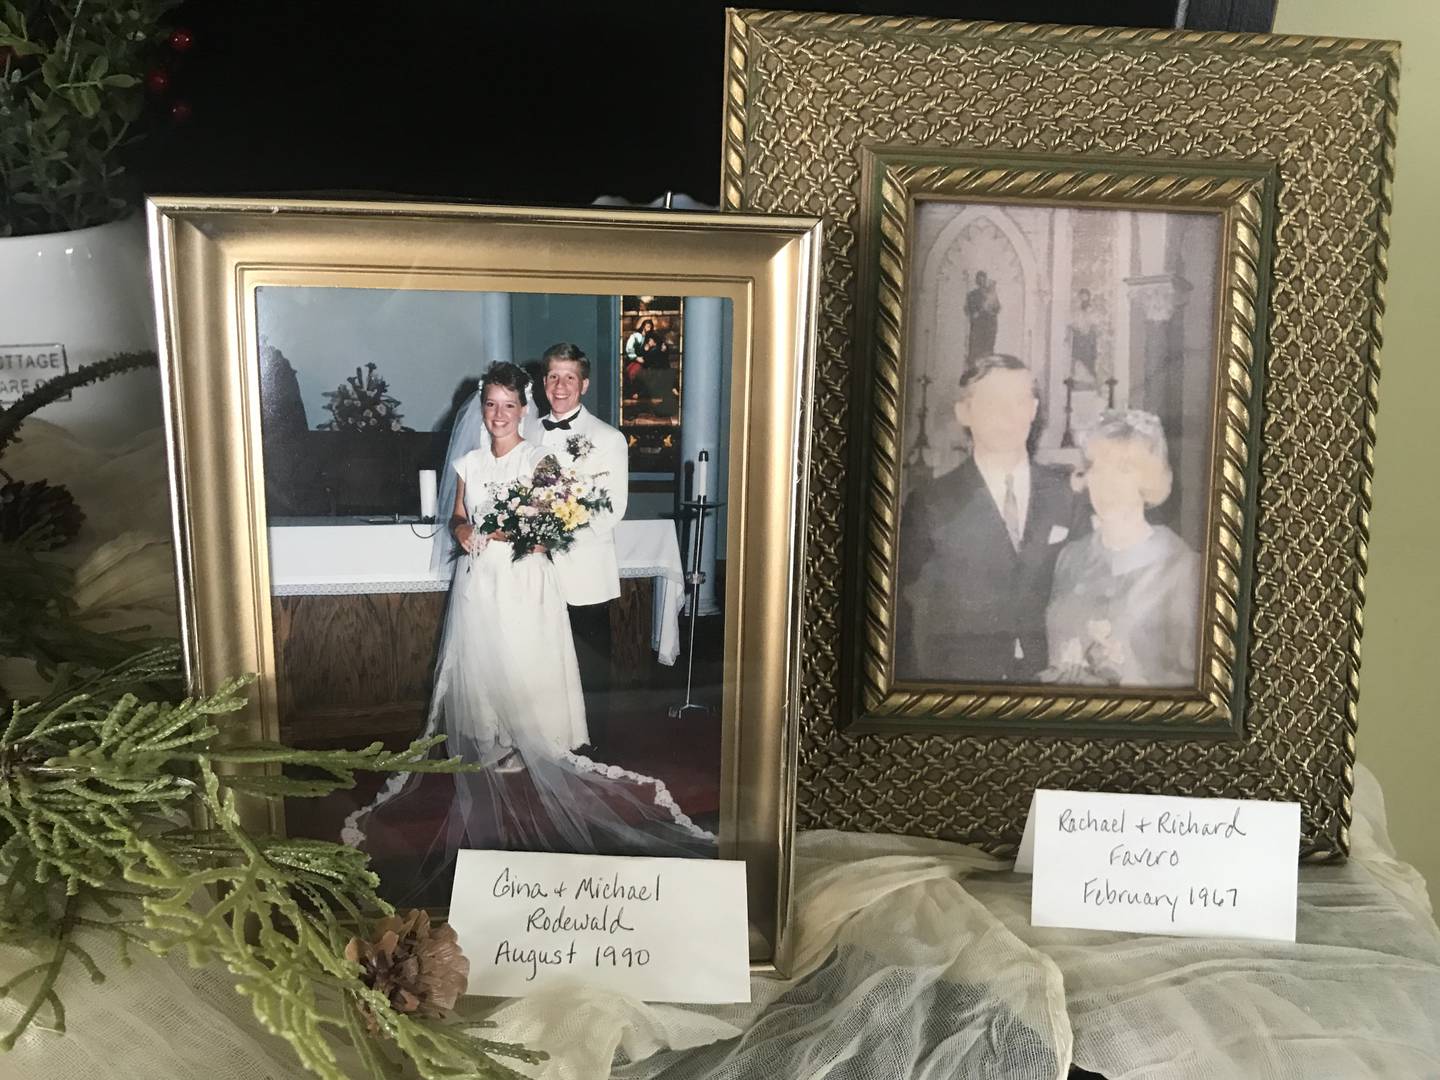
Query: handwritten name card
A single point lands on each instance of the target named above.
(1157, 864)
(655, 929)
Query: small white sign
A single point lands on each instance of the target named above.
(28, 367)
(655, 929)
(1157, 864)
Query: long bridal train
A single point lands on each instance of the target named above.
(646, 823)
(567, 803)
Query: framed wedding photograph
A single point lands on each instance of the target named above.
(425, 486)
(1098, 356)
(1055, 515)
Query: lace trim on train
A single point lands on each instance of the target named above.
(353, 836)
(663, 798)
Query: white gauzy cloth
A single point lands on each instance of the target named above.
(915, 958)
(903, 972)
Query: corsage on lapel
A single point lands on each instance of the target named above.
(578, 446)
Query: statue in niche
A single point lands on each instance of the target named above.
(982, 308)
(1085, 342)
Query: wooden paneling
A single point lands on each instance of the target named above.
(349, 473)
(355, 665)
(351, 669)
(630, 619)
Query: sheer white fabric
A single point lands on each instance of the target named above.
(903, 972)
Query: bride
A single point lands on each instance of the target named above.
(508, 660)
(507, 688)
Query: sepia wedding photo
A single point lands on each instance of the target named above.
(1054, 482)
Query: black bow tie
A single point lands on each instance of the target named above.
(551, 425)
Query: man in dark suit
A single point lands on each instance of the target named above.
(978, 545)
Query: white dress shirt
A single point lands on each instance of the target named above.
(994, 476)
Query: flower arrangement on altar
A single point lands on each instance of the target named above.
(544, 513)
(363, 403)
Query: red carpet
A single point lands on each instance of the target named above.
(639, 735)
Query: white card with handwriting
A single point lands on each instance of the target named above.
(1159, 864)
(655, 929)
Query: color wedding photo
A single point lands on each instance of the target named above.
(485, 522)
(1057, 451)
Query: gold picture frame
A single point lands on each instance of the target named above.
(211, 255)
(1059, 114)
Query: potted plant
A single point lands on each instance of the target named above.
(74, 288)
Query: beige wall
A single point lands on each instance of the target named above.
(1400, 674)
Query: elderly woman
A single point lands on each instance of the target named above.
(1124, 607)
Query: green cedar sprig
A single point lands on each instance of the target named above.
(101, 781)
(97, 790)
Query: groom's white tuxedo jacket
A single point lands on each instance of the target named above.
(590, 572)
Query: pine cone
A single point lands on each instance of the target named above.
(49, 514)
(420, 969)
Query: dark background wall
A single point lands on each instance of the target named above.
(532, 103)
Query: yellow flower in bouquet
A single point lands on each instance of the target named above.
(572, 513)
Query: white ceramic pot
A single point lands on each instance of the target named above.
(71, 298)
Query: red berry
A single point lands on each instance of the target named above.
(181, 40)
(180, 112)
(158, 81)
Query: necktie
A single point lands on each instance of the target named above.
(551, 425)
(1011, 512)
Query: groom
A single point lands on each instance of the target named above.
(978, 545)
(589, 572)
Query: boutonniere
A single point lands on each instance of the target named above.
(577, 446)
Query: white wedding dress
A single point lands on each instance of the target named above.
(507, 677)
(507, 680)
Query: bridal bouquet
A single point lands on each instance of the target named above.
(546, 512)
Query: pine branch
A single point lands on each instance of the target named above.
(98, 781)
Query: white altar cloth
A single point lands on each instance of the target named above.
(318, 557)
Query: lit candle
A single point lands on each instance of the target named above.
(702, 475)
(427, 493)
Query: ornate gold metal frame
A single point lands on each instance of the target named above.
(210, 256)
(809, 96)
(894, 181)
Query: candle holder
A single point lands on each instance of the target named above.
(694, 578)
